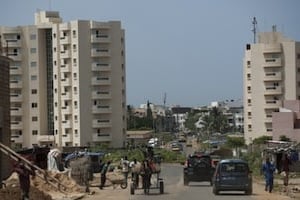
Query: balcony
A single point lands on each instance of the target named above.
(15, 71)
(16, 97)
(101, 137)
(272, 48)
(15, 84)
(66, 124)
(66, 110)
(66, 82)
(100, 25)
(101, 81)
(65, 68)
(101, 109)
(100, 52)
(272, 90)
(101, 38)
(66, 96)
(272, 62)
(272, 104)
(16, 111)
(67, 138)
(16, 125)
(16, 138)
(97, 123)
(268, 119)
(273, 76)
(98, 67)
(101, 95)
(46, 138)
(65, 54)
(65, 39)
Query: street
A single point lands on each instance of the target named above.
(172, 175)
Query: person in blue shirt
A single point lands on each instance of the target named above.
(268, 169)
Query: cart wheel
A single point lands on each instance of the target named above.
(132, 188)
(161, 187)
(123, 185)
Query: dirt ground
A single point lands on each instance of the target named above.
(13, 192)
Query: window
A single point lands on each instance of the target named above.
(15, 52)
(34, 105)
(74, 33)
(32, 50)
(248, 62)
(18, 37)
(33, 64)
(298, 56)
(54, 49)
(34, 91)
(33, 77)
(34, 119)
(75, 76)
(32, 36)
(54, 35)
(34, 132)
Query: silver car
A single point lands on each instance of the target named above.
(232, 175)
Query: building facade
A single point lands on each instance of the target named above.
(287, 121)
(67, 82)
(4, 115)
(271, 75)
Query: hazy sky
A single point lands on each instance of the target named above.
(192, 50)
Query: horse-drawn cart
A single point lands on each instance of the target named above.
(149, 172)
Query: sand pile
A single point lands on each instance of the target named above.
(41, 189)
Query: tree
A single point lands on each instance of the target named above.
(262, 140)
(215, 121)
(236, 143)
(191, 120)
(284, 138)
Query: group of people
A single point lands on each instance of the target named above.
(268, 169)
(137, 169)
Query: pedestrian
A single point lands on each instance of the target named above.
(103, 174)
(268, 169)
(135, 167)
(125, 167)
(285, 169)
(24, 179)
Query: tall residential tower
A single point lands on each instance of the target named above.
(271, 75)
(67, 82)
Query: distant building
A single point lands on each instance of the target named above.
(271, 75)
(180, 115)
(287, 121)
(4, 115)
(68, 82)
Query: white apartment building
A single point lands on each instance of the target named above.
(271, 75)
(68, 82)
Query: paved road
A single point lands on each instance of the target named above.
(172, 175)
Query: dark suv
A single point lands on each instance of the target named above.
(198, 168)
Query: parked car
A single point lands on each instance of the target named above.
(198, 168)
(232, 175)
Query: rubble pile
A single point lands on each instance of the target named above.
(40, 189)
(12, 190)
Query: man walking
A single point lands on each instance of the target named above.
(268, 169)
(103, 174)
(24, 179)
